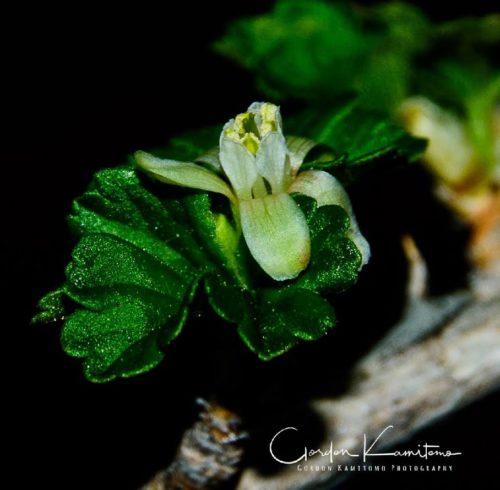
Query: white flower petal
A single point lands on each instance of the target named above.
(255, 107)
(259, 189)
(298, 148)
(211, 158)
(277, 235)
(271, 159)
(321, 186)
(266, 112)
(184, 174)
(239, 166)
(327, 190)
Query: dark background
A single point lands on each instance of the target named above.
(81, 90)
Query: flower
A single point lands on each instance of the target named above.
(257, 169)
(449, 154)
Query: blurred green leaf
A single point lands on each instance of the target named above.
(480, 108)
(319, 50)
(402, 25)
(322, 50)
(470, 33)
(304, 49)
(376, 140)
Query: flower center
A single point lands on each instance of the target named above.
(248, 128)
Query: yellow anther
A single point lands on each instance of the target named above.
(251, 143)
(269, 122)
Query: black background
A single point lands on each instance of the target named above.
(83, 88)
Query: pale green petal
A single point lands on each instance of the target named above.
(211, 158)
(277, 235)
(327, 190)
(259, 189)
(321, 186)
(271, 159)
(298, 149)
(449, 153)
(183, 174)
(239, 166)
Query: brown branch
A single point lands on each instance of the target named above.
(208, 455)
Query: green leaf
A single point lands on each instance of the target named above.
(357, 138)
(335, 260)
(51, 307)
(403, 24)
(481, 107)
(122, 340)
(117, 203)
(305, 49)
(320, 50)
(384, 81)
(229, 300)
(133, 273)
(470, 38)
(284, 317)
